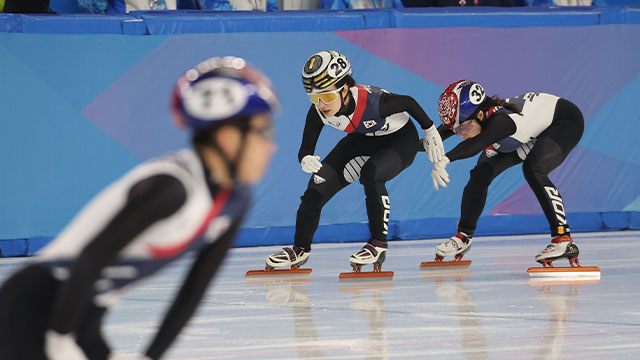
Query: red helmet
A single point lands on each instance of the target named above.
(459, 101)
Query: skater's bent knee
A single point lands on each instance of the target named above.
(311, 199)
(368, 175)
(532, 170)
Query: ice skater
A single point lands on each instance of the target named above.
(536, 130)
(191, 200)
(381, 142)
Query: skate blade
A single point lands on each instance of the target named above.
(366, 275)
(441, 264)
(278, 272)
(592, 272)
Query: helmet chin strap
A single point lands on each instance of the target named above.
(343, 103)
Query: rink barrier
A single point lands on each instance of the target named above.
(436, 228)
(413, 229)
(185, 22)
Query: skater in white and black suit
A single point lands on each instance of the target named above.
(536, 130)
(191, 200)
(381, 142)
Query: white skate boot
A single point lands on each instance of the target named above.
(374, 252)
(456, 246)
(289, 257)
(561, 246)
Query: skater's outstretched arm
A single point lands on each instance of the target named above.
(445, 132)
(393, 103)
(496, 128)
(431, 141)
(191, 292)
(312, 129)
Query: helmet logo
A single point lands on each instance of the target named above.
(448, 108)
(215, 98)
(313, 64)
(476, 94)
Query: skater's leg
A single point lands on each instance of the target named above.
(546, 156)
(380, 168)
(25, 310)
(473, 201)
(90, 336)
(551, 149)
(390, 156)
(322, 186)
(474, 195)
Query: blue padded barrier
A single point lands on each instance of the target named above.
(496, 17)
(225, 22)
(436, 228)
(442, 228)
(189, 21)
(63, 24)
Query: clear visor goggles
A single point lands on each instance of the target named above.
(464, 127)
(326, 97)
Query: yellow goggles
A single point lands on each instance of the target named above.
(326, 97)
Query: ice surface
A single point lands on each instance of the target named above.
(489, 310)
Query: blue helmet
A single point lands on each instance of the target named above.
(459, 101)
(221, 89)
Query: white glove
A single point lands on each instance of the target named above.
(311, 164)
(432, 143)
(62, 347)
(439, 174)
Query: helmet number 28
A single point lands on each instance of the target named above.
(337, 66)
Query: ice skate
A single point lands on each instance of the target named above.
(561, 247)
(287, 261)
(374, 252)
(456, 246)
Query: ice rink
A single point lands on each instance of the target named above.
(490, 310)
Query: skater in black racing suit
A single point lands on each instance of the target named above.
(381, 142)
(536, 130)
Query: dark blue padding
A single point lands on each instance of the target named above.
(442, 228)
(65, 24)
(168, 22)
(192, 21)
(398, 230)
(495, 17)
